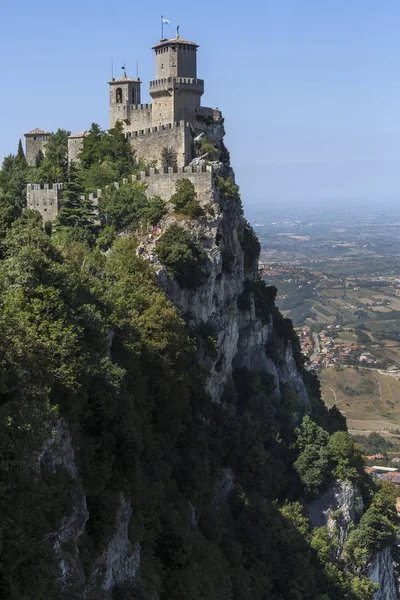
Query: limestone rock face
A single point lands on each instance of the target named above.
(242, 337)
(336, 509)
(121, 559)
(381, 571)
(223, 487)
(58, 452)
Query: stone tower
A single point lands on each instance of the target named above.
(176, 91)
(35, 140)
(124, 97)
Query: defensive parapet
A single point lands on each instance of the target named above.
(134, 116)
(157, 128)
(45, 198)
(189, 84)
(162, 184)
(149, 142)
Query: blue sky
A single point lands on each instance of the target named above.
(309, 88)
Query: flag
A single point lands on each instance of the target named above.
(165, 21)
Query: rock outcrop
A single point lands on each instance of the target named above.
(336, 509)
(381, 571)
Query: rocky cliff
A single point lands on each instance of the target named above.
(175, 413)
(338, 509)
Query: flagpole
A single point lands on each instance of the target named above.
(162, 27)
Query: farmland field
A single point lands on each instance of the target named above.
(369, 399)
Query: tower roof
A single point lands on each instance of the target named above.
(175, 40)
(81, 134)
(37, 131)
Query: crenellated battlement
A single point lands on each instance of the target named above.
(157, 129)
(173, 80)
(128, 107)
(45, 186)
(47, 197)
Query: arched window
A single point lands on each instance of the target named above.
(133, 96)
(118, 96)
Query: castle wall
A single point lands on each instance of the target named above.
(163, 184)
(187, 55)
(166, 62)
(186, 105)
(34, 143)
(45, 198)
(163, 109)
(149, 143)
(75, 145)
(133, 116)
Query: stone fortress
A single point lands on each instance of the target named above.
(174, 120)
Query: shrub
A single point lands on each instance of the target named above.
(207, 147)
(123, 206)
(169, 158)
(154, 211)
(185, 199)
(183, 257)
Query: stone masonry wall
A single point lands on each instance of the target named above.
(75, 145)
(133, 116)
(45, 199)
(34, 143)
(149, 143)
(163, 184)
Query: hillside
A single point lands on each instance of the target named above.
(160, 436)
(369, 398)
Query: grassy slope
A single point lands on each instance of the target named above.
(369, 399)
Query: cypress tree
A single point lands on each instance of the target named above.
(76, 210)
(39, 159)
(21, 155)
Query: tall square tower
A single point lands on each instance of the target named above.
(176, 91)
(124, 98)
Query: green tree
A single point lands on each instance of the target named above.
(76, 210)
(169, 158)
(119, 151)
(183, 256)
(185, 199)
(39, 159)
(13, 179)
(93, 150)
(21, 155)
(54, 166)
(124, 206)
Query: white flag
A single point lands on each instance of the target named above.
(165, 21)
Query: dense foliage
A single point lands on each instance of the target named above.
(86, 335)
(185, 199)
(183, 256)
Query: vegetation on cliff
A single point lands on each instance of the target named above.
(87, 335)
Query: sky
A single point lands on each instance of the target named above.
(309, 89)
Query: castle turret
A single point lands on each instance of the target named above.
(124, 96)
(75, 145)
(35, 141)
(176, 91)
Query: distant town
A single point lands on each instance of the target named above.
(337, 271)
